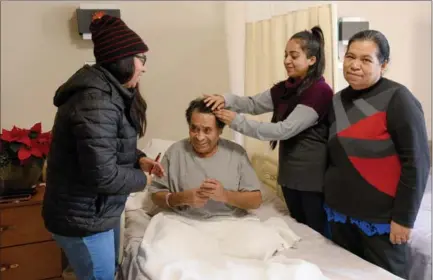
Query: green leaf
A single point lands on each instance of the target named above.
(33, 135)
(15, 146)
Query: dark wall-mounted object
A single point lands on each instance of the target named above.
(84, 18)
(349, 27)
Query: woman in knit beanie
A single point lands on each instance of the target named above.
(94, 164)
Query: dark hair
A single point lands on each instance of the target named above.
(383, 50)
(123, 70)
(200, 106)
(312, 43)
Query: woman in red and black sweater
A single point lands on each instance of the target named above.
(379, 161)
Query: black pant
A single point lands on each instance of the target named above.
(376, 249)
(306, 208)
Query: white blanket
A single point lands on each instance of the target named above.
(177, 248)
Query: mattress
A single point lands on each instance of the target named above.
(335, 263)
(419, 259)
(419, 265)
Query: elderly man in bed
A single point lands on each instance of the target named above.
(206, 175)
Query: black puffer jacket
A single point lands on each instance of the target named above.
(92, 164)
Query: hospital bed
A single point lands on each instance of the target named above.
(334, 262)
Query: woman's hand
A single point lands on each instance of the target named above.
(149, 179)
(151, 166)
(226, 116)
(399, 234)
(216, 101)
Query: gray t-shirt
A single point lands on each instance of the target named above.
(186, 170)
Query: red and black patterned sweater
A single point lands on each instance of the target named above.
(378, 154)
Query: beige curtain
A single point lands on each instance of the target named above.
(264, 55)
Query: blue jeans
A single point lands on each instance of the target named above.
(91, 257)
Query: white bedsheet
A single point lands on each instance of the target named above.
(175, 248)
(334, 262)
(419, 260)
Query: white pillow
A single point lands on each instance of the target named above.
(139, 200)
(270, 197)
(142, 200)
(156, 146)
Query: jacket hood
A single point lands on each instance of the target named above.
(86, 78)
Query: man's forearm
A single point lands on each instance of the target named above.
(244, 200)
(159, 199)
(174, 200)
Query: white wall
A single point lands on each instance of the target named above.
(41, 48)
(407, 25)
(193, 44)
(235, 15)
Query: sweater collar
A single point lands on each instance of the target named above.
(292, 83)
(361, 91)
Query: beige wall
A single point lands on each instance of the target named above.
(40, 49)
(407, 25)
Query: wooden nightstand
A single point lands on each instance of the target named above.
(27, 250)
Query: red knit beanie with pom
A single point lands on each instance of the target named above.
(113, 39)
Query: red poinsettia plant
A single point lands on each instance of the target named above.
(23, 144)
